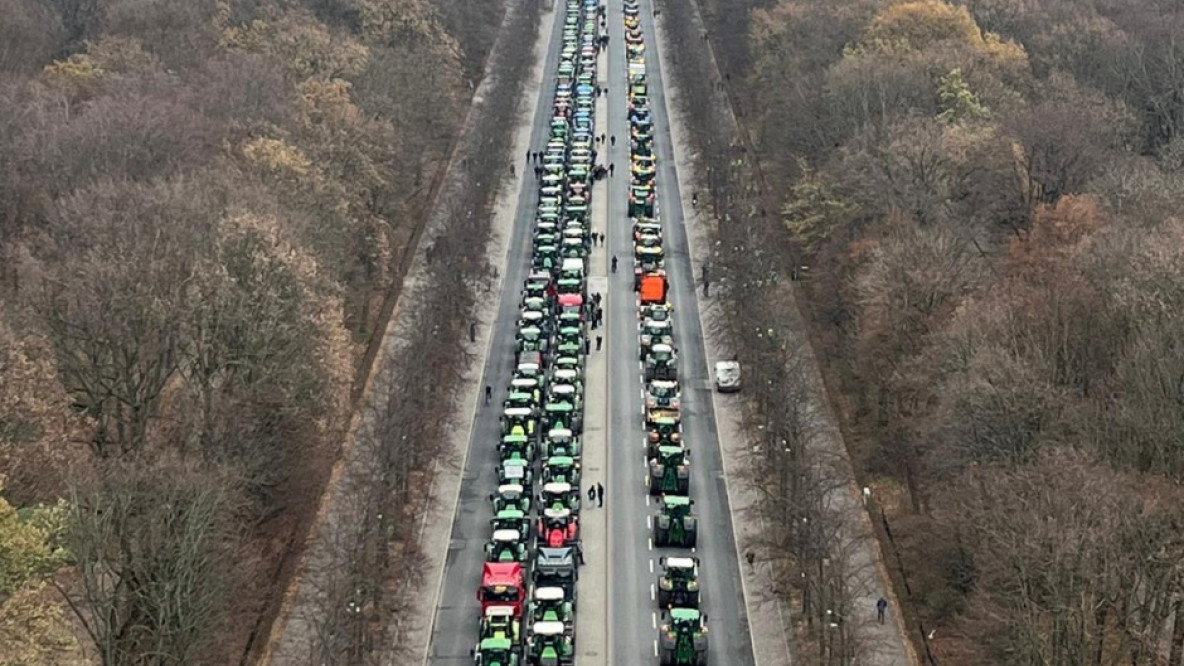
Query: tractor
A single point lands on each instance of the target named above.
(549, 645)
(495, 652)
(675, 525)
(682, 641)
(550, 605)
(656, 332)
(499, 622)
(502, 584)
(560, 495)
(517, 472)
(641, 200)
(516, 447)
(562, 414)
(510, 497)
(561, 442)
(661, 363)
(670, 472)
(505, 546)
(662, 394)
(511, 519)
(556, 567)
(519, 419)
(678, 586)
(558, 527)
(663, 428)
(561, 468)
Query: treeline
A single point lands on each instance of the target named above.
(202, 207)
(986, 195)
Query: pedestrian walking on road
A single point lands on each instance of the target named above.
(488, 393)
(591, 495)
(528, 156)
(611, 168)
(472, 331)
(881, 606)
(598, 341)
(613, 140)
(614, 263)
(599, 494)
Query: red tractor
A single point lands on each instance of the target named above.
(502, 584)
(558, 528)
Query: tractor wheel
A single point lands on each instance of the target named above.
(701, 658)
(661, 536)
(655, 484)
(691, 529)
(692, 598)
(683, 486)
(663, 597)
(667, 658)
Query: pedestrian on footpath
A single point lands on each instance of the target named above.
(488, 393)
(751, 557)
(881, 606)
(596, 297)
(598, 341)
(614, 263)
(600, 497)
(611, 168)
(472, 331)
(591, 495)
(613, 140)
(587, 346)
(512, 173)
(528, 156)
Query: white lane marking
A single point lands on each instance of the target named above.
(651, 566)
(647, 499)
(654, 620)
(655, 647)
(653, 595)
(651, 542)
(649, 525)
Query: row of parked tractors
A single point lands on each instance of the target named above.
(528, 587)
(682, 637)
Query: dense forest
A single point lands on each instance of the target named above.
(986, 194)
(202, 208)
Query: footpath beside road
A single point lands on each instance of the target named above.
(769, 614)
(592, 616)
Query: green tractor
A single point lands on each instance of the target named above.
(499, 622)
(563, 414)
(550, 604)
(670, 472)
(678, 586)
(549, 645)
(560, 495)
(516, 447)
(561, 469)
(661, 363)
(495, 652)
(675, 525)
(561, 442)
(505, 546)
(511, 519)
(516, 472)
(682, 641)
(510, 497)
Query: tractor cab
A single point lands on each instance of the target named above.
(678, 585)
(534, 319)
(524, 394)
(550, 604)
(643, 226)
(563, 469)
(656, 332)
(502, 584)
(561, 442)
(495, 652)
(560, 495)
(682, 641)
(499, 622)
(530, 364)
(510, 497)
(566, 393)
(565, 376)
(569, 362)
(675, 525)
(558, 527)
(644, 167)
(515, 472)
(652, 285)
(663, 427)
(562, 414)
(568, 335)
(534, 303)
(531, 339)
(516, 446)
(549, 645)
(511, 519)
(505, 546)
(662, 393)
(669, 471)
(641, 201)
(656, 311)
(660, 363)
(556, 567)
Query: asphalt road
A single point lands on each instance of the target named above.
(454, 631)
(633, 562)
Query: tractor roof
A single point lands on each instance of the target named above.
(505, 535)
(560, 461)
(548, 593)
(524, 382)
(663, 383)
(657, 323)
(499, 611)
(553, 513)
(557, 487)
(496, 643)
(555, 433)
(554, 556)
(566, 373)
(680, 563)
(662, 347)
(675, 500)
(563, 388)
(519, 411)
(548, 628)
(670, 450)
(510, 514)
(684, 614)
(501, 573)
(508, 488)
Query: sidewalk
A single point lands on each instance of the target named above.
(592, 616)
